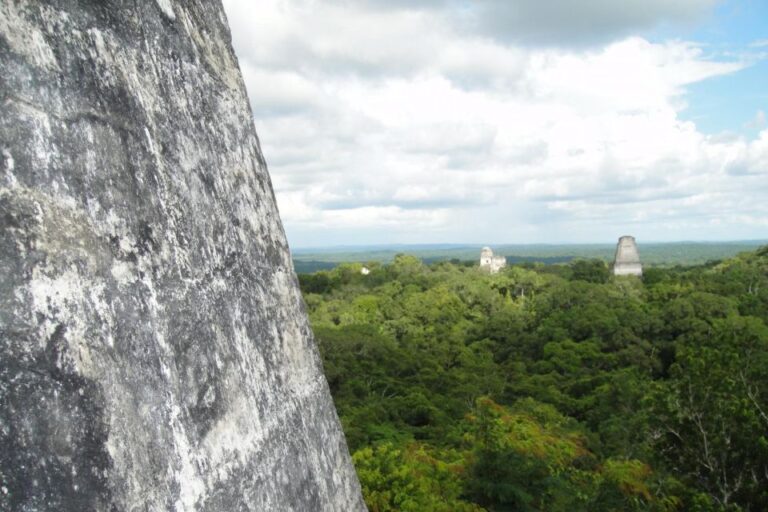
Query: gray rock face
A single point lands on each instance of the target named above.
(627, 259)
(154, 349)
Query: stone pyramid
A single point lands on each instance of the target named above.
(627, 260)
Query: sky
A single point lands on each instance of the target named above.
(492, 121)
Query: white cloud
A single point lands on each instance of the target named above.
(391, 124)
(757, 122)
(559, 22)
(563, 22)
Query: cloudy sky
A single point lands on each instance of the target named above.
(498, 121)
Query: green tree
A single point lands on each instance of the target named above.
(603, 394)
(532, 458)
(709, 418)
(592, 271)
(411, 478)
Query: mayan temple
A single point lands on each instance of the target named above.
(491, 263)
(627, 260)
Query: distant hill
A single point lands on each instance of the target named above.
(651, 254)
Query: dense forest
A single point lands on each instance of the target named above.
(550, 387)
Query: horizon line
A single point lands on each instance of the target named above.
(504, 244)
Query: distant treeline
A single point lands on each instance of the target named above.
(310, 266)
(652, 254)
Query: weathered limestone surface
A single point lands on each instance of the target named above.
(627, 259)
(154, 349)
(491, 263)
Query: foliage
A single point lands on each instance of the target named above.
(711, 416)
(534, 458)
(550, 387)
(411, 478)
(653, 254)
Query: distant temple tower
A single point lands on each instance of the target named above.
(490, 262)
(627, 261)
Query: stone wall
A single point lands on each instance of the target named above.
(154, 349)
